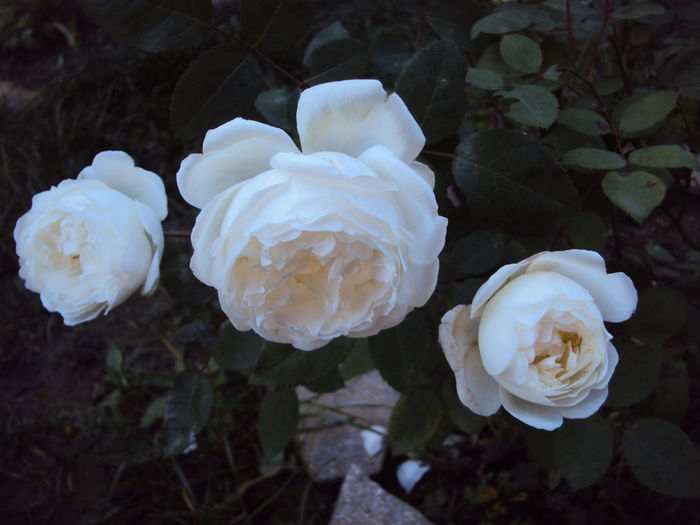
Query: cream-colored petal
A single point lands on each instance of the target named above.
(457, 333)
(351, 116)
(476, 389)
(154, 230)
(586, 407)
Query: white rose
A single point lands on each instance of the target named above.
(340, 240)
(88, 243)
(534, 338)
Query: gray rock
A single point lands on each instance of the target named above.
(334, 440)
(362, 501)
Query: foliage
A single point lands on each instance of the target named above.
(551, 125)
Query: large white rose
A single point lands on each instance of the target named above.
(89, 243)
(341, 239)
(534, 339)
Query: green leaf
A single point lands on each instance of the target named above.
(564, 139)
(583, 121)
(647, 111)
(219, 85)
(279, 107)
(575, 6)
(484, 79)
(594, 159)
(406, 354)
(683, 70)
(154, 410)
(415, 418)
(636, 193)
(511, 180)
(115, 358)
(521, 53)
(451, 20)
(662, 457)
(358, 361)
(337, 60)
(664, 157)
(583, 450)
(537, 106)
(587, 232)
(390, 51)
(234, 350)
(661, 313)
(432, 86)
(499, 23)
(635, 11)
(671, 396)
(274, 25)
(278, 419)
(335, 31)
(478, 252)
(491, 60)
(151, 25)
(329, 382)
(463, 418)
(552, 73)
(284, 365)
(188, 408)
(608, 86)
(635, 375)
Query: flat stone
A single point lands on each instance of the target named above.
(340, 418)
(364, 501)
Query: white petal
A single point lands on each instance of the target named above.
(232, 153)
(351, 116)
(457, 333)
(373, 440)
(476, 389)
(546, 418)
(410, 472)
(586, 407)
(425, 172)
(116, 169)
(614, 293)
(153, 228)
(415, 198)
(494, 283)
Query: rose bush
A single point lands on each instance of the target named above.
(341, 239)
(89, 243)
(534, 339)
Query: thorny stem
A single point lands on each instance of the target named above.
(439, 154)
(620, 62)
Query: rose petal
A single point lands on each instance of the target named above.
(232, 153)
(153, 228)
(351, 116)
(531, 414)
(586, 407)
(476, 389)
(373, 440)
(116, 169)
(410, 472)
(614, 293)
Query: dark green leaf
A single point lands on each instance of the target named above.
(274, 25)
(219, 85)
(660, 314)
(358, 361)
(683, 70)
(521, 53)
(608, 86)
(234, 350)
(635, 375)
(464, 291)
(337, 60)
(115, 358)
(664, 157)
(648, 111)
(499, 23)
(279, 107)
(451, 21)
(594, 159)
(278, 419)
(636, 193)
(285, 365)
(583, 450)
(478, 252)
(587, 232)
(634, 11)
(575, 6)
(432, 86)
(329, 382)
(583, 121)
(661, 456)
(188, 408)
(511, 180)
(390, 51)
(335, 31)
(563, 140)
(406, 354)
(415, 418)
(152, 25)
(484, 79)
(490, 60)
(536, 107)
(463, 418)
(154, 410)
(671, 397)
